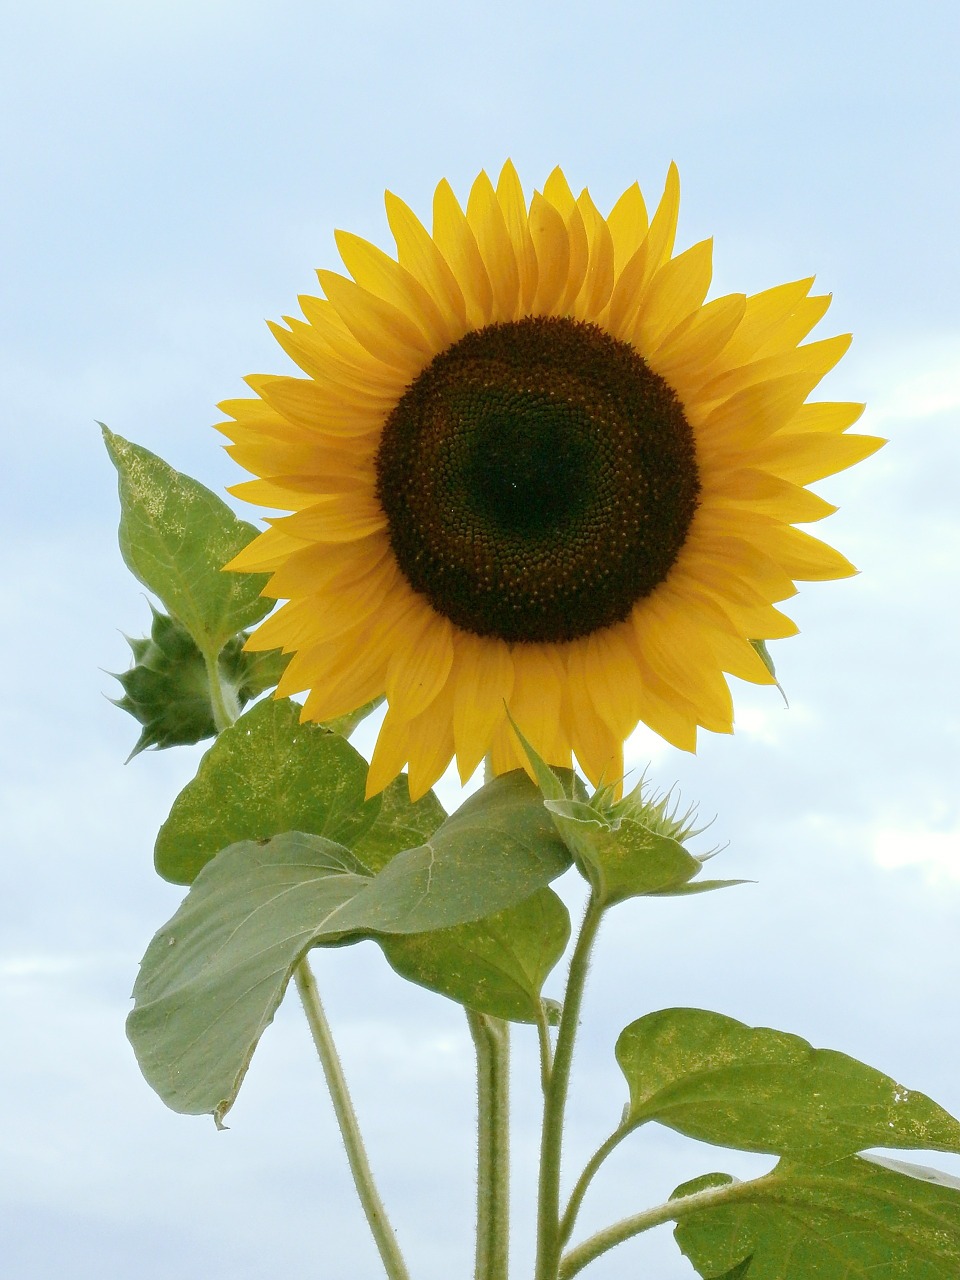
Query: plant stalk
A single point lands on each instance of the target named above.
(670, 1211)
(551, 1143)
(226, 709)
(491, 1037)
(373, 1208)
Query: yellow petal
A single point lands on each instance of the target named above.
(380, 328)
(380, 275)
(537, 699)
(598, 281)
(419, 668)
(484, 683)
(677, 654)
(272, 492)
(765, 312)
(514, 207)
(458, 244)
(430, 744)
(549, 234)
(677, 290)
(263, 553)
(740, 423)
(628, 225)
(766, 493)
(809, 457)
(812, 361)
(663, 226)
(792, 331)
(556, 190)
(486, 221)
(390, 753)
(417, 252)
(349, 359)
(805, 558)
(319, 567)
(697, 340)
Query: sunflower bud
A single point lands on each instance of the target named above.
(168, 691)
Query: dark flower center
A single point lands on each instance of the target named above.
(538, 479)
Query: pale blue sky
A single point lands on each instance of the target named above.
(171, 175)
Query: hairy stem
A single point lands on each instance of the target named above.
(551, 1143)
(376, 1215)
(223, 699)
(491, 1037)
(546, 1048)
(580, 1190)
(671, 1211)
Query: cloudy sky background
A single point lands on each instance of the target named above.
(171, 174)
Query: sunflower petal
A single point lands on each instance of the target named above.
(484, 683)
(458, 245)
(510, 197)
(486, 221)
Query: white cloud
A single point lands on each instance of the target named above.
(931, 387)
(936, 854)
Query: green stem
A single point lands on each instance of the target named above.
(223, 700)
(551, 1143)
(546, 1048)
(671, 1211)
(226, 709)
(491, 1036)
(376, 1215)
(583, 1182)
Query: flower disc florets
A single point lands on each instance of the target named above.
(538, 479)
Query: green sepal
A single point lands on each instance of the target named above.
(212, 978)
(175, 537)
(496, 965)
(715, 1079)
(763, 653)
(168, 689)
(859, 1218)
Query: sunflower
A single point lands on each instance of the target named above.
(530, 469)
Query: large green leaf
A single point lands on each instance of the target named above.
(212, 978)
(266, 774)
(401, 823)
(497, 965)
(860, 1218)
(497, 849)
(715, 1079)
(176, 536)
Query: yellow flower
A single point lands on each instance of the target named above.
(530, 468)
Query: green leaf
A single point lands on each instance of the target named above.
(266, 774)
(497, 965)
(496, 850)
(696, 886)
(860, 1218)
(261, 670)
(212, 978)
(400, 824)
(713, 1078)
(555, 784)
(175, 536)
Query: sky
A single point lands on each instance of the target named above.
(172, 174)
